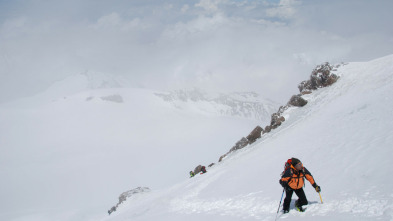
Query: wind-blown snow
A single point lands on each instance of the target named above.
(343, 136)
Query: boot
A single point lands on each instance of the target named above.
(298, 207)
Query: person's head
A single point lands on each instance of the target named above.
(297, 164)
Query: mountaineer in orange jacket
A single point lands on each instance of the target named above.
(293, 181)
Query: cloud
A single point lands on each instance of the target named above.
(286, 9)
(185, 8)
(115, 21)
(265, 46)
(109, 20)
(209, 5)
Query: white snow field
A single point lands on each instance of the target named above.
(344, 136)
(70, 151)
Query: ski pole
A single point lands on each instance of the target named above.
(320, 197)
(283, 190)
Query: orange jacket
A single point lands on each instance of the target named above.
(295, 179)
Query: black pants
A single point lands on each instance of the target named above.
(288, 197)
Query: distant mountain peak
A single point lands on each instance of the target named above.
(96, 80)
(87, 80)
(239, 104)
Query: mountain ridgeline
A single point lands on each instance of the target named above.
(237, 104)
(322, 76)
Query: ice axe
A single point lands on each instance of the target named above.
(320, 197)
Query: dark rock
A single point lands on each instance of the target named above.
(297, 101)
(124, 196)
(240, 144)
(198, 169)
(320, 77)
(267, 129)
(255, 134)
(222, 157)
(331, 80)
(306, 92)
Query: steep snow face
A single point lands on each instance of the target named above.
(343, 136)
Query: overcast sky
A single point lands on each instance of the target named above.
(267, 46)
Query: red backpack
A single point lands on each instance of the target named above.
(287, 165)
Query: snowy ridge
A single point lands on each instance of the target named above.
(343, 136)
(87, 80)
(240, 104)
(72, 85)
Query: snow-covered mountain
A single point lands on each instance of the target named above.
(236, 104)
(343, 136)
(240, 104)
(73, 84)
(70, 158)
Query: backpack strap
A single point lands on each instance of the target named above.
(290, 174)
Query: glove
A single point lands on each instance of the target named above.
(285, 185)
(317, 188)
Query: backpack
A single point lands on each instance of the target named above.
(287, 165)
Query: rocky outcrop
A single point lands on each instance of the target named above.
(321, 76)
(275, 122)
(223, 156)
(124, 196)
(198, 169)
(297, 101)
(251, 138)
(254, 135)
(240, 144)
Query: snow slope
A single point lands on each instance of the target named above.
(71, 150)
(343, 136)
